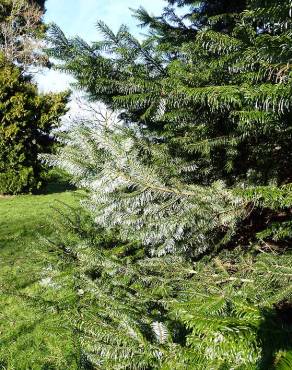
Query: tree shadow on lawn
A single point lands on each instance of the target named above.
(56, 182)
(55, 187)
(275, 335)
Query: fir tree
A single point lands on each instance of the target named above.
(135, 185)
(141, 312)
(201, 163)
(221, 105)
(146, 307)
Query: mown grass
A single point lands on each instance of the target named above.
(35, 323)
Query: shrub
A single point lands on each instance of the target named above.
(26, 123)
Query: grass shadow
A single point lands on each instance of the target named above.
(275, 335)
(54, 187)
(56, 181)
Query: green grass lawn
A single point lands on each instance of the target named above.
(36, 293)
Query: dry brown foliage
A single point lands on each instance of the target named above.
(20, 34)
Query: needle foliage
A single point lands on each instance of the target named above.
(186, 263)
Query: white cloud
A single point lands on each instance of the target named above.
(53, 81)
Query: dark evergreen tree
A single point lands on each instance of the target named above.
(175, 29)
(26, 122)
(26, 117)
(41, 3)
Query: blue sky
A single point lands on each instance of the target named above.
(79, 17)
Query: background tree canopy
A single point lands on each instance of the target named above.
(27, 118)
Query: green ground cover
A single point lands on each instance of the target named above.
(35, 327)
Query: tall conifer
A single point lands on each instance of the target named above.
(202, 164)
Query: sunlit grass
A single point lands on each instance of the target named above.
(35, 330)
